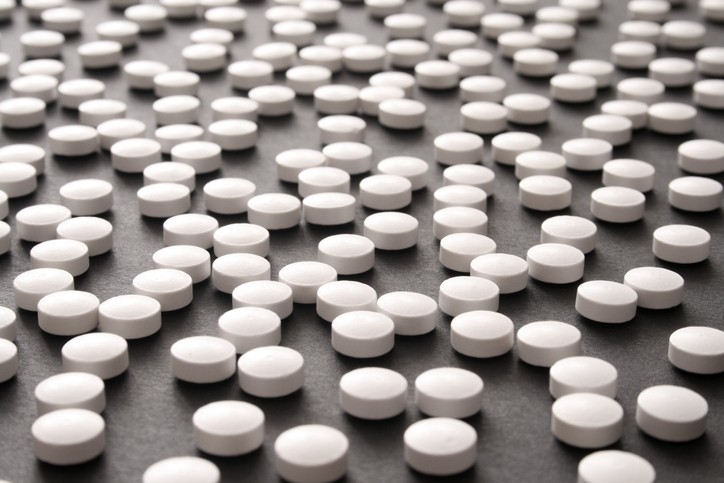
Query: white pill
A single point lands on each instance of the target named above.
(180, 9)
(176, 83)
(204, 57)
(458, 250)
(507, 146)
(271, 371)
(241, 238)
(437, 74)
(534, 163)
(586, 154)
(373, 393)
(617, 204)
(162, 200)
(134, 155)
(311, 452)
(139, 74)
(545, 193)
(321, 12)
(203, 156)
(610, 466)
(68, 255)
(352, 157)
(709, 93)
(413, 313)
(632, 54)
(100, 54)
(17, 179)
(459, 219)
(508, 272)
(277, 55)
(440, 446)
(247, 74)
(348, 254)
(495, 24)
(96, 233)
(555, 36)
(340, 40)
(412, 168)
(130, 316)
(481, 334)
(600, 70)
(102, 354)
(402, 114)
(363, 334)
(709, 61)
(37, 223)
(482, 88)
(338, 297)
(123, 31)
(535, 62)
(233, 134)
(336, 99)
(275, 211)
(673, 71)
(203, 359)
(570, 230)
(323, 179)
(699, 350)
(544, 343)
(329, 209)
(405, 25)
(182, 467)
(24, 153)
(370, 97)
(110, 132)
(365, 58)
(68, 312)
(341, 128)
(606, 301)
(701, 156)
(520, 7)
(22, 112)
(228, 195)
(70, 390)
(657, 288)
(672, 118)
(630, 173)
(466, 293)
(587, 420)
(458, 148)
(250, 327)
(407, 53)
(172, 288)
(484, 117)
(170, 172)
(528, 109)
(97, 111)
(671, 413)
(305, 79)
(384, 192)
(649, 91)
(574, 88)
(72, 93)
(323, 56)
(42, 43)
(511, 42)
(634, 111)
(266, 294)
(392, 230)
(472, 61)
(228, 428)
(640, 30)
(449, 392)
(470, 174)
(681, 244)
(8, 324)
(234, 108)
(68, 436)
(226, 16)
(273, 101)
(683, 35)
(609, 127)
(447, 41)
(175, 109)
(297, 32)
(463, 13)
(305, 279)
(555, 263)
(650, 10)
(73, 140)
(190, 229)
(8, 360)
(587, 9)
(231, 270)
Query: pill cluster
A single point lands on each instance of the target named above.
(231, 184)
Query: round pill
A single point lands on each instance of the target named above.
(17, 179)
(182, 467)
(234, 108)
(699, 156)
(472, 61)
(274, 211)
(545, 193)
(694, 193)
(230, 271)
(277, 55)
(250, 327)
(68, 436)
(228, 195)
(228, 428)
(600, 70)
(348, 254)
(190, 229)
(293, 161)
(699, 350)
(570, 230)
(329, 209)
(102, 354)
(458, 148)
(336, 99)
(267, 294)
(588, 10)
(96, 233)
(176, 109)
(204, 57)
(412, 168)
(273, 101)
(460, 195)
(130, 316)
(42, 43)
(481, 334)
(484, 117)
(555, 36)
(203, 359)
(587, 420)
(508, 272)
(683, 35)
(68, 312)
(555, 263)
(440, 446)
(297, 32)
(341, 128)
(225, 16)
(8, 360)
(73, 93)
(232, 134)
(402, 114)
(672, 118)
(271, 371)
(139, 74)
(172, 288)
(133, 155)
(449, 392)
(150, 18)
(170, 172)
(305, 279)
(640, 30)
(649, 91)
(162, 200)
(617, 204)
(481, 88)
(437, 74)
(407, 53)
(507, 146)
(8, 324)
(123, 31)
(323, 56)
(458, 250)
(22, 112)
(610, 466)
(97, 111)
(364, 58)
(384, 192)
(340, 40)
(176, 83)
(305, 79)
(657, 288)
(606, 301)
(586, 154)
(544, 343)
(673, 71)
(403, 80)
(37, 223)
(470, 174)
(630, 173)
(43, 87)
(392, 230)
(373, 393)
(459, 219)
(24, 153)
(68, 255)
(191, 259)
(528, 109)
(338, 297)
(70, 390)
(466, 293)
(323, 179)
(681, 244)
(100, 54)
(635, 111)
(73, 140)
(110, 132)
(708, 61)
(241, 238)
(405, 25)
(311, 452)
(363, 334)
(632, 54)
(413, 313)
(370, 97)
(671, 413)
(511, 42)
(573, 88)
(609, 127)
(247, 74)
(536, 163)
(535, 62)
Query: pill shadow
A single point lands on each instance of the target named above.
(91, 472)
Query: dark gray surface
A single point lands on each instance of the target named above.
(149, 413)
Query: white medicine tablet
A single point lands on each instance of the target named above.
(175, 109)
(291, 162)
(340, 40)
(533, 163)
(437, 74)
(305, 279)
(97, 111)
(8, 360)
(466, 293)
(70, 390)
(699, 350)
(472, 61)
(555, 263)
(459, 219)
(460, 195)
(544, 343)
(338, 297)
(457, 250)
(204, 57)
(611, 466)
(123, 31)
(632, 54)
(68, 255)
(606, 301)
(657, 288)
(570, 230)
(162, 200)
(273, 100)
(535, 62)
(482, 88)
(412, 168)
(305, 79)
(497, 23)
(277, 55)
(458, 148)
(440, 446)
(73, 140)
(102, 354)
(365, 58)
(203, 359)
(371, 96)
(68, 312)
(671, 413)
(225, 15)
(172, 288)
(573, 88)
(228, 195)
(683, 35)
(323, 56)
(110, 132)
(586, 154)
(408, 53)
(511, 42)
(587, 420)
(635, 111)
(297, 32)
(134, 155)
(695, 193)
(384, 191)
(203, 156)
(699, 156)
(311, 452)
(96, 233)
(484, 117)
(672, 118)
(274, 211)
(363, 334)
(413, 313)
(241, 238)
(271, 371)
(373, 393)
(234, 108)
(230, 271)
(130, 316)
(247, 74)
(341, 128)
(528, 109)
(24, 153)
(176, 83)
(42, 43)
(555, 35)
(8, 324)
(336, 99)
(470, 174)
(150, 18)
(609, 127)
(392, 230)
(17, 179)
(681, 244)
(507, 146)
(170, 172)
(22, 112)
(449, 392)
(72, 93)
(266, 294)
(583, 374)
(481, 334)
(649, 91)
(68, 436)
(508, 272)
(179, 468)
(100, 54)
(329, 209)
(139, 74)
(403, 80)
(630, 173)
(322, 179)
(250, 327)
(37, 223)
(402, 114)
(190, 229)
(405, 25)
(709, 62)
(545, 193)
(348, 254)
(233, 134)
(600, 70)
(673, 71)
(38, 86)
(228, 428)
(617, 204)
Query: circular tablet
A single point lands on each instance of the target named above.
(203, 359)
(528, 109)
(272, 371)
(482, 88)
(68, 312)
(150, 18)
(329, 209)
(440, 446)
(449, 392)
(336, 99)
(544, 343)
(570, 230)
(611, 466)
(413, 313)
(683, 35)
(617, 204)
(458, 148)
(323, 56)
(484, 117)
(508, 272)
(497, 23)
(241, 238)
(511, 42)
(133, 155)
(8, 324)
(634, 111)
(671, 413)
(204, 57)
(73, 93)
(42, 87)
(436, 74)
(708, 61)
(586, 154)
(97, 111)
(8, 360)
(225, 15)
(701, 156)
(37, 223)
(385, 192)
(672, 118)
(609, 127)
(275, 211)
(176, 83)
(234, 108)
(507, 146)
(555, 36)
(402, 114)
(190, 259)
(694, 193)
(534, 163)
(481, 334)
(681, 244)
(293, 161)
(373, 393)
(95, 233)
(130, 316)
(338, 297)
(587, 420)
(247, 74)
(605, 301)
(470, 174)
(31, 286)
(574, 88)
(22, 112)
(466, 293)
(170, 172)
(657, 288)
(311, 452)
(123, 31)
(535, 62)
(545, 193)
(673, 71)
(348, 254)
(73, 140)
(102, 354)
(110, 132)
(17, 179)
(230, 271)
(472, 62)
(323, 179)
(341, 128)
(228, 428)
(100, 54)
(632, 54)
(24, 153)
(699, 350)
(42, 43)
(363, 334)
(182, 467)
(555, 263)
(459, 219)
(139, 74)
(306, 79)
(405, 25)
(392, 230)
(228, 195)
(648, 91)
(580, 374)
(630, 173)
(162, 200)
(68, 436)
(190, 229)
(414, 169)
(460, 195)
(305, 278)
(70, 390)
(250, 327)
(267, 294)
(172, 288)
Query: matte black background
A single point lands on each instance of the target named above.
(149, 412)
